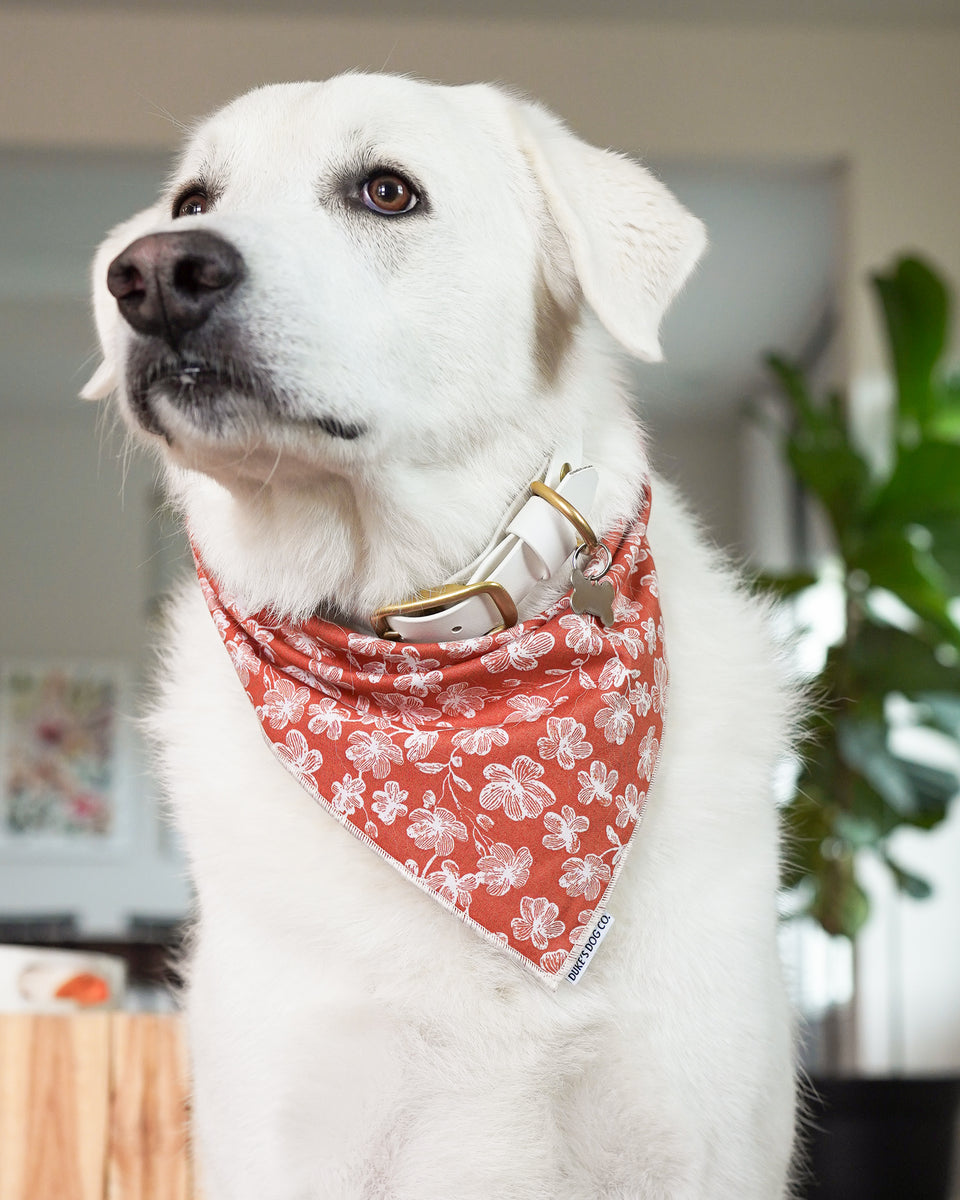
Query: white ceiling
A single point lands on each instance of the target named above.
(796, 12)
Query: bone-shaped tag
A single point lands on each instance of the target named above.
(592, 596)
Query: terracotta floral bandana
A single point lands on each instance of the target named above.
(505, 775)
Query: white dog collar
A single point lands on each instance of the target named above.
(532, 546)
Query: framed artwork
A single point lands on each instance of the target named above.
(64, 759)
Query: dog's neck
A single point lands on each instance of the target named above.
(345, 545)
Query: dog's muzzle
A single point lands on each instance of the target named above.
(168, 284)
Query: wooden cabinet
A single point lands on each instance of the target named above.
(93, 1107)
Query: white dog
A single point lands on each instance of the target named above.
(363, 317)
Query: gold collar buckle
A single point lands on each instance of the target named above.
(436, 599)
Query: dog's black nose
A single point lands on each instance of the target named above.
(166, 284)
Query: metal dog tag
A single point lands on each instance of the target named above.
(593, 596)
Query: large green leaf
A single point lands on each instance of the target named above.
(839, 903)
(819, 448)
(916, 792)
(924, 486)
(945, 548)
(934, 788)
(915, 306)
(910, 884)
(890, 559)
(941, 710)
(782, 587)
(794, 384)
(945, 423)
(884, 659)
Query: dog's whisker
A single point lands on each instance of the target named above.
(272, 471)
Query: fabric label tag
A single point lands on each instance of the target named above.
(597, 934)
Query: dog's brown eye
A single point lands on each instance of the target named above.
(388, 193)
(193, 205)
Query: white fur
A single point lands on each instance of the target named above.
(350, 1038)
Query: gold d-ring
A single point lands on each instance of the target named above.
(566, 509)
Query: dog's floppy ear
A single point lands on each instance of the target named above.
(632, 243)
(101, 383)
(105, 379)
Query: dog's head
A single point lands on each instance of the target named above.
(355, 292)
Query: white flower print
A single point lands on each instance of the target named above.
(565, 742)
(259, 633)
(468, 647)
(297, 756)
(641, 699)
(614, 674)
(462, 700)
(586, 919)
(326, 717)
(436, 829)
(648, 750)
(418, 676)
(553, 960)
(650, 583)
(583, 636)
(636, 554)
(598, 784)
(408, 710)
(565, 829)
(584, 876)
(283, 704)
(628, 639)
(388, 802)
(245, 662)
(373, 752)
(307, 645)
(630, 805)
(232, 603)
(304, 677)
(649, 628)
(373, 672)
(616, 719)
(326, 671)
(504, 868)
(449, 883)
(419, 743)
(348, 794)
(222, 622)
(659, 693)
(210, 595)
(517, 788)
(528, 708)
(537, 921)
(519, 653)
(365, 643)
(480, 740)
(625, 610)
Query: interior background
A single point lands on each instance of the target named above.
(816, 151)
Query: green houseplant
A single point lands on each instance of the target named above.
(896, 537)
(895, 667)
